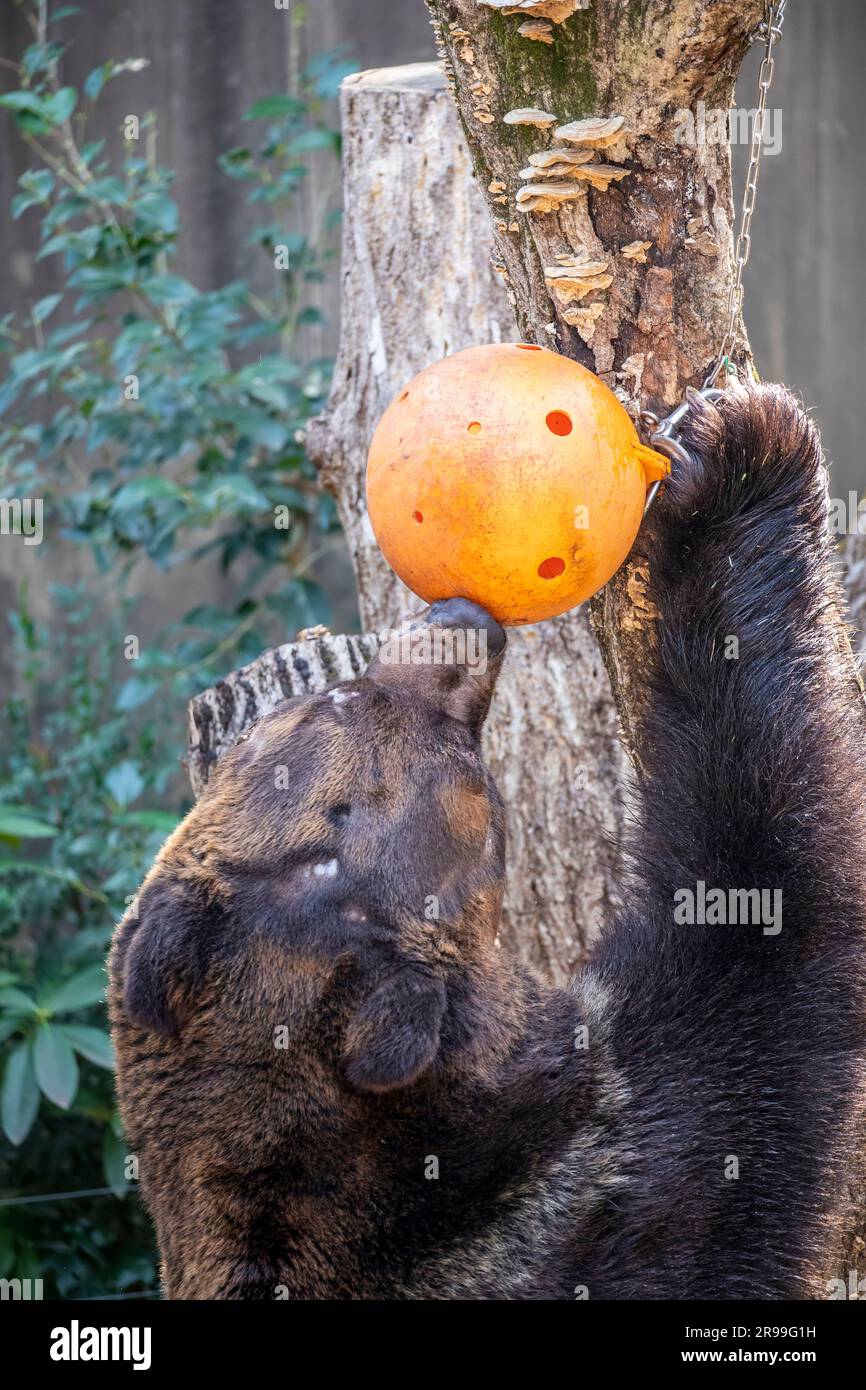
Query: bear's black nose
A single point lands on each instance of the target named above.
(463, 613)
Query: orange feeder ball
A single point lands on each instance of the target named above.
(511, 476)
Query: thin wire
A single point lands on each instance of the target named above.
(115, 1297)
(60, 1196)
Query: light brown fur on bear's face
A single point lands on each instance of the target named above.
(309, 943)
(372, 797)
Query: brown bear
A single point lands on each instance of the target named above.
(338, 1085)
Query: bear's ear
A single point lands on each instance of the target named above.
(162, 954)
(393, 1036)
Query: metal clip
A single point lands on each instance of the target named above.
(771, 24)
(665, 436)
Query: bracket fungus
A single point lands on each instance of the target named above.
(545, 160)
(584, 318)
(552, 171)
(601, 176)
(529, 115)
(556, 10)
(548, 196)
(596, 131)
(574, 277)
(636, 251)
(539, 29)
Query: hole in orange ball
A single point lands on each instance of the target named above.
(529, 347)
(549, 569)
(475, 427)
(418, 516)
(404, 395)
(559, 423)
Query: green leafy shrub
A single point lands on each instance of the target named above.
(160, 425)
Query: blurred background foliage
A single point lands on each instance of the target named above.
(161, 424)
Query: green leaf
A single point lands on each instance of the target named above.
(56, 1067)
(125, 782)
(20, 825)
(79, 992)
(169, 289)
(316, 139)
(134, 693)
(234, 492)
(135, 494)
(151, 820)
(93, 279)
(108, 190)
(92, 1043)
(60, 105)
(43, 307)
(157, 210)
(275, 106)
(23, 101)
(20, 1098)
(15, 1001)
(8, 1026)
(95, 81)
(39, 181)
(35, 185)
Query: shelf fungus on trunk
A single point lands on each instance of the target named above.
(547, 196)
(635, 251)
(529, 115)
(541, 30)
(596, 131)
(584, 317)
(574, 277)
(555, 163)
(556, 10)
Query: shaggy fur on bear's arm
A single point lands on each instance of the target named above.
(741, 1048)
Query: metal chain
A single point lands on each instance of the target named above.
(770, 31)
(664, 435)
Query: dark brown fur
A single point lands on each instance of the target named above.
(339, 1087)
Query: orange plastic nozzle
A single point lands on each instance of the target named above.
(655, 465)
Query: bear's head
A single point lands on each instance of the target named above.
(343, 869)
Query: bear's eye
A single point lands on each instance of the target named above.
(339, 814)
